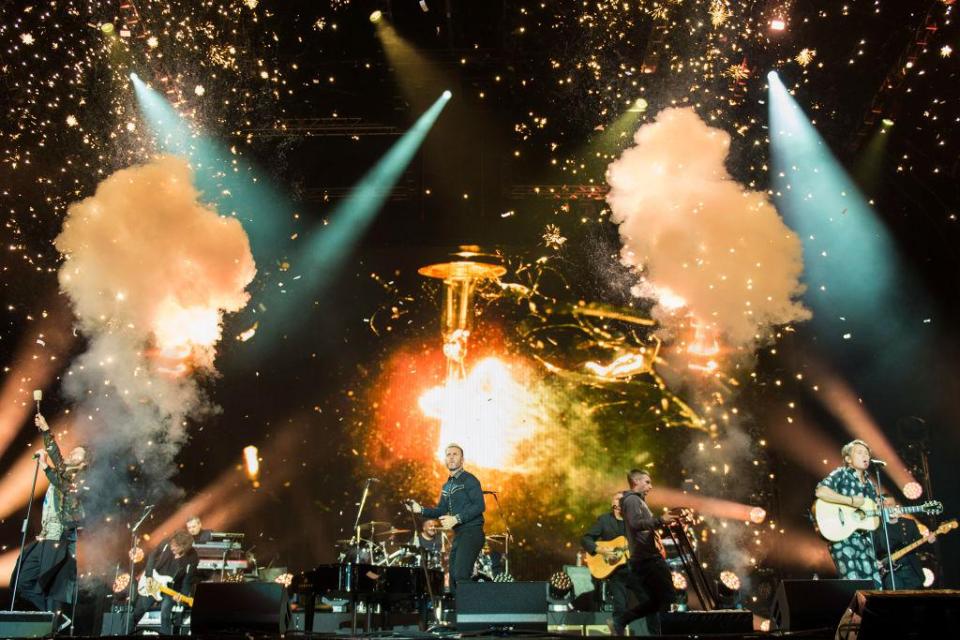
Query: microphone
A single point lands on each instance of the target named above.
(489, 493)
(37, 397)
(879, 463)
(36, 454)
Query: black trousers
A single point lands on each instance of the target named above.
(49, 572)
(467, 545)
(650, 581)
(142, 604)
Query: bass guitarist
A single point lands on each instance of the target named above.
(855, 557)
(178, 559)
(903, 531)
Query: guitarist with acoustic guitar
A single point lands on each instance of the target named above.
(168, 577)
(606, 544)
(849, 486)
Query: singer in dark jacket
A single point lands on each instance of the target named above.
(49, 566)
(460, 508)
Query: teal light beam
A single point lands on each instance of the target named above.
(869, 309)
(329, 247)
(224, 180)
(320, 260)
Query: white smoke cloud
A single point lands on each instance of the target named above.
(704, 243)
(150, 271)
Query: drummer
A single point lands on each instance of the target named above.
(429, 537)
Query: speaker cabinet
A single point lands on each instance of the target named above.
(239, 607)
(813, 604)
(26, 624)
(682, 623)
(904, 614)
(482, 606)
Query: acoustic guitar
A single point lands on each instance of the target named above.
(837, 522)
(602, 565)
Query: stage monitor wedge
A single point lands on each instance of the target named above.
(26, 624)
(904, 614)
(240, 607)
(503, 606)
(813, 604)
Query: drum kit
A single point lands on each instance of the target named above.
(490, 565)
(378, 544)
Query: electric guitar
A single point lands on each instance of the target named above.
(602, 565)
(837, 522)
(946, 527)
(157, 587)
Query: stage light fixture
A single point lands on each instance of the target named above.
(758, 515)
(446, 95)
(134, 77)
(376, 16)
(778, 24)
(679, 581)
(638, 106)
(728, 590)
(121, 582)
(679, 591)
(107, 28)
(730, 580)
(912, 490)
(887, 123)
(929, 577)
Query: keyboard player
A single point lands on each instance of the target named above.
(195, 528)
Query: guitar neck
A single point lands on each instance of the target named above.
(176, 594)
(917, 509)
(907, 549)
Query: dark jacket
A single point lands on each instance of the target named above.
(642, 527)
(607, 527)
(68, 482)
(909, 571)
(461, 496)
(182, 569)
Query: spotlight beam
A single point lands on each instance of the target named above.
(324, 253)
(234, 186)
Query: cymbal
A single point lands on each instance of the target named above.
(351, 542)
(374, 524)
(499, 536)
(390, 532)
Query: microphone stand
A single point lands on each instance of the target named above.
(356, 523)
(886, 536)
(23, 534)
(356, 555)
(132, 589)
(506, 539)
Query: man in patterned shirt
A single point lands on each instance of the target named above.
(49, 572)
(855, 557)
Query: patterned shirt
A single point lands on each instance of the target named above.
(855, 556)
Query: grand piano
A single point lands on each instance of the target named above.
(393, 588)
